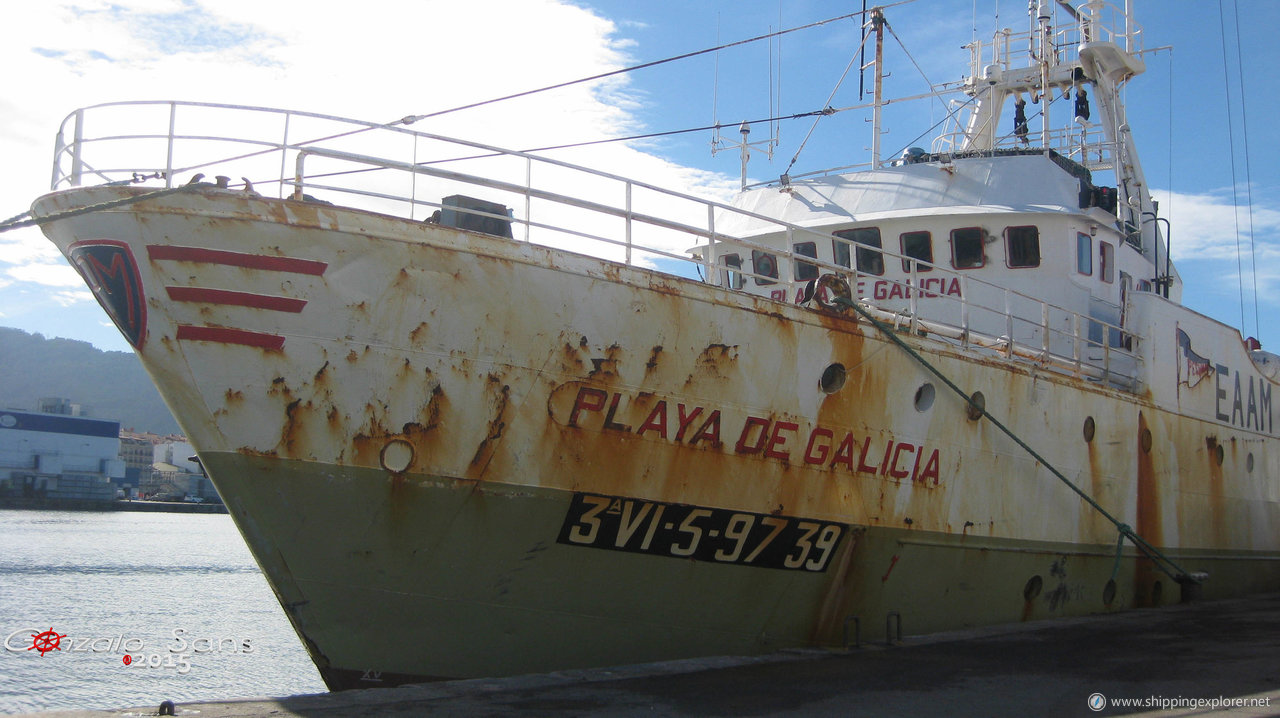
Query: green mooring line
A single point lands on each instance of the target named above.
(1181, 576)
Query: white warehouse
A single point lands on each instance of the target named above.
(58, 456)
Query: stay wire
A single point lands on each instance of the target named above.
(907, 52)
(827, 110)
(1248, 174)
(642, 66)
(588, 143)
(667, 133)
(1231, 146)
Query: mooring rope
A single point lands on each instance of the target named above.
(1157, 556)
(18, 222)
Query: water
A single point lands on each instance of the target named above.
(179, 593)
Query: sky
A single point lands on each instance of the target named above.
(1201, 132)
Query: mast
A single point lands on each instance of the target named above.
(1044, 20)
(877, 26)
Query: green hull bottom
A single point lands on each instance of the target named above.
(394, 579)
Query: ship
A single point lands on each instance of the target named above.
(483, 412)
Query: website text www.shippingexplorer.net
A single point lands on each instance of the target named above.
(1099, 702)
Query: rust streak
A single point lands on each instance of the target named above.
(653, 358)
(1217, 507)
(418, 334)
(486, 448)
(1148, 510)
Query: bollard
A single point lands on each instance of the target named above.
(857, 632)
(892, 619)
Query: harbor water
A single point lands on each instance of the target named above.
(114, 609)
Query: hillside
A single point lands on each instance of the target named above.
(108, 385)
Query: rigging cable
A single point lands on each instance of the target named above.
(715, 87)
(648, 135)
(1231, 146)
(411, 119)
(1167, 281)
(1248, 175)
(415, 118)
(776, 107)
(907, 52)
(826, 108)
(607, 140)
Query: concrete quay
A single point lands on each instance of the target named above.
(1208, 658)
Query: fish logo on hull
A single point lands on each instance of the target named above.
(109, 269)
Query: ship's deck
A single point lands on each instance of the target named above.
(1209, 650)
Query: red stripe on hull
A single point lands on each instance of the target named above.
(224, 335)
(236, 259)
(238, 299)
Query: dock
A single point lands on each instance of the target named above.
(1204, 658)
(58, 504)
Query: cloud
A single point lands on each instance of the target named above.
(47, 275)
(1205, 227)
(69, 298)
(390, 59)
(14, 250)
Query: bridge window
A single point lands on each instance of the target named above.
(765, 265)
(1107, 262)
(1022, 246)
(805, 271)
(732, 276)
(917, 245)
(1084, 253)
(840, 251)
(866, 251)
(966, 248)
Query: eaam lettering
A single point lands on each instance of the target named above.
(777, 439)
(1241, 403)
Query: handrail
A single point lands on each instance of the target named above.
(656, 224)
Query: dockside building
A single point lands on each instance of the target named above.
(46, 455)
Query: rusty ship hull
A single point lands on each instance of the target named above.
(459, 455)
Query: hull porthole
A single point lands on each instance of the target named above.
(397, 456)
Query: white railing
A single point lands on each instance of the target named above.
(1099, 22)
(555, 203)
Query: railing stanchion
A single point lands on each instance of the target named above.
(709, 261)
(913, 287)
(627, 219)
(77, 148)
(1075, 342)
(168, 159)
(413, 183)
(528, 197)
(299, 173)
(1008, 323)
(1044, 323)
(284, 154)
